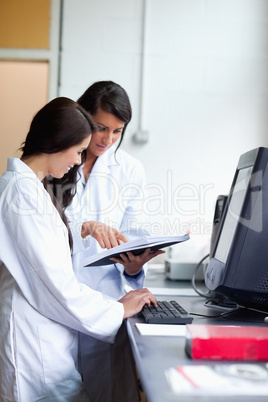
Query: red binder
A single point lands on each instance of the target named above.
(220, 342)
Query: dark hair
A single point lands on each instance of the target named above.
(110, 97)
(105, 95)
(59, 125)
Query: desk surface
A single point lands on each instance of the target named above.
(155, 354)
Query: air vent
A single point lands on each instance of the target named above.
(261, 285)
(252, 300)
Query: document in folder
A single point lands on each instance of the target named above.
(136, 247)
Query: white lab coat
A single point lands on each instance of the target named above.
(114, 195)
(42, 305)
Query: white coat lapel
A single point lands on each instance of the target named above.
(104, 187)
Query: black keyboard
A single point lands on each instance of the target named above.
(166, 313)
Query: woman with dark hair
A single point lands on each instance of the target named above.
(42, 305)
(108, 201)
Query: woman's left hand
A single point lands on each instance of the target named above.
(133, 263)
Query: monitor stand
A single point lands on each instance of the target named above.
(236, 312)
(221, 301)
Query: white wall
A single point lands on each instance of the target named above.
(205, 92)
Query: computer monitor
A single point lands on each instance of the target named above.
(238, 267)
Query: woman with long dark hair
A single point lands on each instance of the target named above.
(108, 203)
(42, 305)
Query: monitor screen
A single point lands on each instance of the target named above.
(238, 266)
(233, 214)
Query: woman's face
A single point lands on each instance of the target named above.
(61, 162)
(109, 130)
